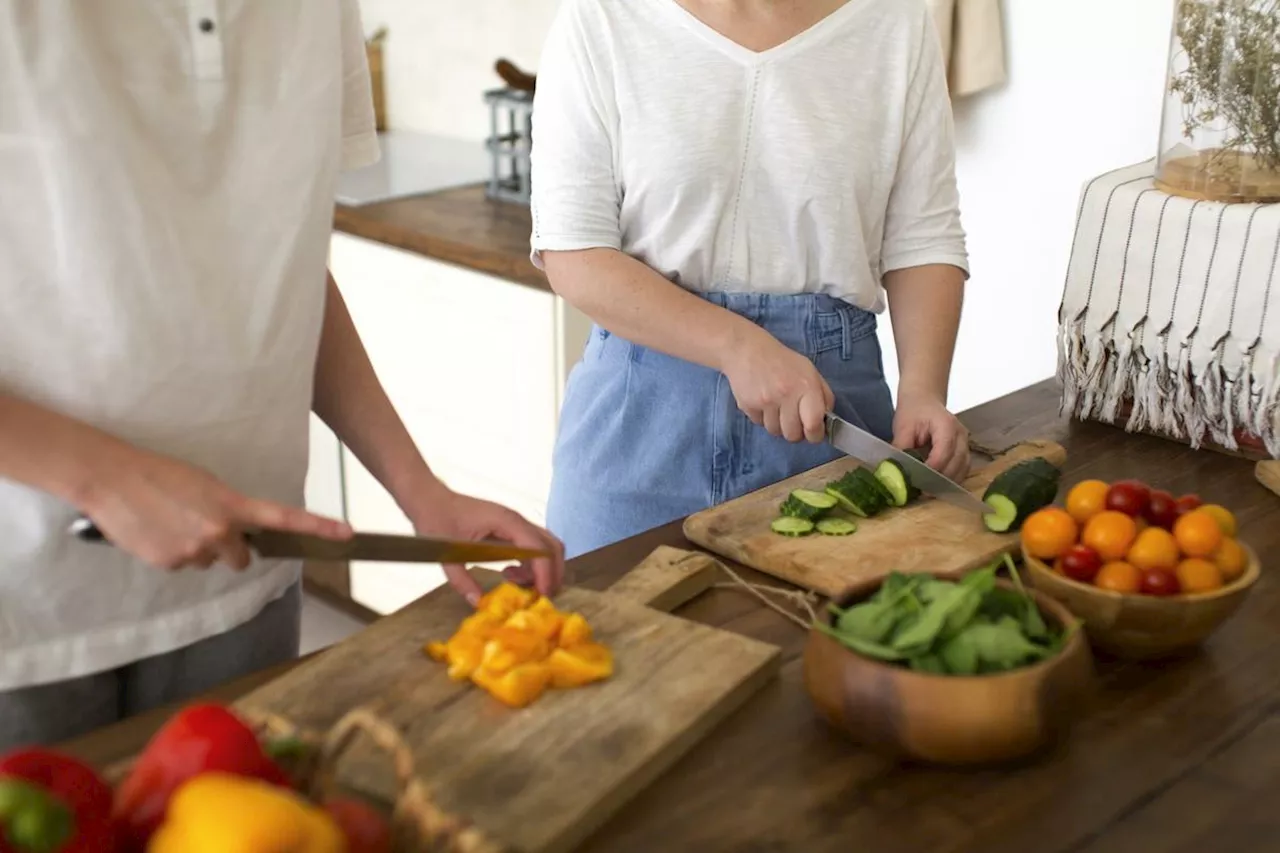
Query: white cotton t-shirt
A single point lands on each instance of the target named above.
(167, 175)
(812, 167)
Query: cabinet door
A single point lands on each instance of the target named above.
(472, 364)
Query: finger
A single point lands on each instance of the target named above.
(232, 551)
(813, 411)
(756, 416)
(960, 458)
(944, 445)
(771, 420)
(548, 572)
(520, 574)
(462, 581)
(274, 516)
(828, 396)
(789, 419)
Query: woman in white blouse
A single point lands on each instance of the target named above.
(729, 189)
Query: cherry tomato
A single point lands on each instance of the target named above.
(1159, 582)
(366, 830)
(1162, 510)
(1186, 503)
(1081, 563)
(1129, 497)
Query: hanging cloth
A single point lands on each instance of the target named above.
(972, 34)
(1167, 320)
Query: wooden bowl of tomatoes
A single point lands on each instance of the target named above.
(1149, 574)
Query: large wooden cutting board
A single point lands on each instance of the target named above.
(542, 778)
(925, 536)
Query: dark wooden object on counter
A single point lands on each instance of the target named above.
(458, 226)
(1171, 758)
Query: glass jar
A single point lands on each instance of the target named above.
(1220, 132)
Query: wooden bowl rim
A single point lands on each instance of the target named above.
(1252, 571)
(1047, 604)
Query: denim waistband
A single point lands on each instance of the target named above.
(806, 322)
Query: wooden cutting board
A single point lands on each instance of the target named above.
(925, 536)
(542, 778)
(1268, 474)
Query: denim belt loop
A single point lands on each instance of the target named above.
(846, 332)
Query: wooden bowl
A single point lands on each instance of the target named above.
(1143, 627)
(947, 719)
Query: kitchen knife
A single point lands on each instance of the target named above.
(871, 451)
(374, 547)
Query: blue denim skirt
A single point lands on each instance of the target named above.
(645, 438)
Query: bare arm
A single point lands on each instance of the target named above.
(924, 308)
(351, 400)
(48, 451)
(632, 301)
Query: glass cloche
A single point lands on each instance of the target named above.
(1220, 133)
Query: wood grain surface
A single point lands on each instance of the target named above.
(541, 778)
(1267, 473)
(928, 535)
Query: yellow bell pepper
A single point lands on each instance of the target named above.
(518, 686)
(580, 665)
(505, 599)
(575, 631)
(223, 813)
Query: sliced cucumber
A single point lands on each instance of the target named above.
(860, 493)
(789, 525)
(807, 504)
(1016, 493)
(836, 527)
(892, 476)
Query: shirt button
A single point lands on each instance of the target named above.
(206, 25)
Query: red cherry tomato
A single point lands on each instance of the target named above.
(1162, 510)
(1129, 497)
(1186, 503)
(1159, 582)
(365, 828)
(1081, 563)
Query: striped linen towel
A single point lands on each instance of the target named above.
(1168, 313)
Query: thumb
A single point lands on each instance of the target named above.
(462, 581)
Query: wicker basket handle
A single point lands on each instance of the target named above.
(418, 824)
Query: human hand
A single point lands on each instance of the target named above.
(172, 515)
(455, 516)
(778, 388)
(922, 419)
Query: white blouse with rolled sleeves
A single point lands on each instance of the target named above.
(813, 167)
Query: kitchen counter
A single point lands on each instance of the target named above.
(1175, 757)
(459, 226)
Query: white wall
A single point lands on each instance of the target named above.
(1084, 96)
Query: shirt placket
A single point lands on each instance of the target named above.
(206, 39)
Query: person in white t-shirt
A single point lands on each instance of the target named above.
(729, 188)
(167, 324)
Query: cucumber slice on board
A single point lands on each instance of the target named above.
(836, 527)
(807, 504)
(789, 525)
(892, 476)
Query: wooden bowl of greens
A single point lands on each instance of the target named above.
(976, 671)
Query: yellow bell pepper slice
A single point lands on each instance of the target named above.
(545, 624)
(580, 665)
(518, 687)
(224, 813)
(505, 599)
(465, 652)
(574, 632)
(509, 647)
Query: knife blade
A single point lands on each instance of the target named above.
(871, 451)
(371, 547)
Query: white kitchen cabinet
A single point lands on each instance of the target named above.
(475, 365)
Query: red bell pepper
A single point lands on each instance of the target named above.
(51, 803)
(199, 738)
(364, 827)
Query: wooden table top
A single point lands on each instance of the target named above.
(459, 226)
(1176, 757)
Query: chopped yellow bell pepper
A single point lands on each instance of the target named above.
(575, 631)
(518, 687)
(580, 665)
(517, 644)
(224, 813)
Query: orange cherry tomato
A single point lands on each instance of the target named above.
(1223, 516)
(1118, 576)
(1154, 548)
(1198, 575)
(1111, 534)
(1048, 533)
(1231, 559)
(1198, 533)
(1086, 499)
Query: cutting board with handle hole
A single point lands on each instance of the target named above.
(927, 535)
(542, 778)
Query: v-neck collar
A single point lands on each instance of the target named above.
(746, 55)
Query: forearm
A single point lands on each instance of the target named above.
(350, 399)
(924, 308)
(632, 301)
(48, 451)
